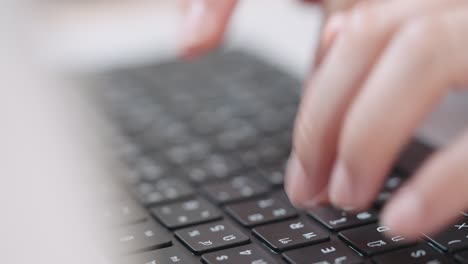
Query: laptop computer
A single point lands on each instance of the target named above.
(205, 144)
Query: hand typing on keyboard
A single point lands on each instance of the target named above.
(384, 66)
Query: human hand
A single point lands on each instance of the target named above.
(205, 21)
(349, 129)
(388, 64)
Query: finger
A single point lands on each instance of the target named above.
(335, 8)
(205, 22)
(317, 125)
(329, 94)
(393, 102)
(434, 196)
(329, 34)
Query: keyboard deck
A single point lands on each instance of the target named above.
(206, 143)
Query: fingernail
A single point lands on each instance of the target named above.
(294, 175)
(404, 214)
(197, 24)
(296, 186)
(341, 187)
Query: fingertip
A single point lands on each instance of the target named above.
(294, 175)
(197, 28)
(297, 186)
(405, 214)
(204, 23)
(347, 190)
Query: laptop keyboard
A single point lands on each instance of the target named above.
(206, 143)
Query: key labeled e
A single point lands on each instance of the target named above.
(328, 250)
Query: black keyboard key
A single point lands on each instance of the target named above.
(371, 239)
(261, 211)
(235, 189)
(140, 237)
(238, 134)
(181, 214)
(291, 234)
(333, 252)
(208, 122)
(420, 254)
(273, 151)
(170, 255)
(213, 168)
(337, 220)
(166, 131)
(274, 120)
(210, 237)
(123, 212)
(264, 153)
(244, 254)
(188, 153)
(149, 169)
(165, 190)
(453, 239)
(273, 175)
(462, 257)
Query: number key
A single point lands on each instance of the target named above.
(123, 212)
(261, 211)
(140, 237)
(244, 254)
(164, 190)
(421, 254)
(291, 234)
(170, 255)
(181, 214)
(213, 236)
(235, 189)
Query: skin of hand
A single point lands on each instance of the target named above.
(205, 21)
(387, 65)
